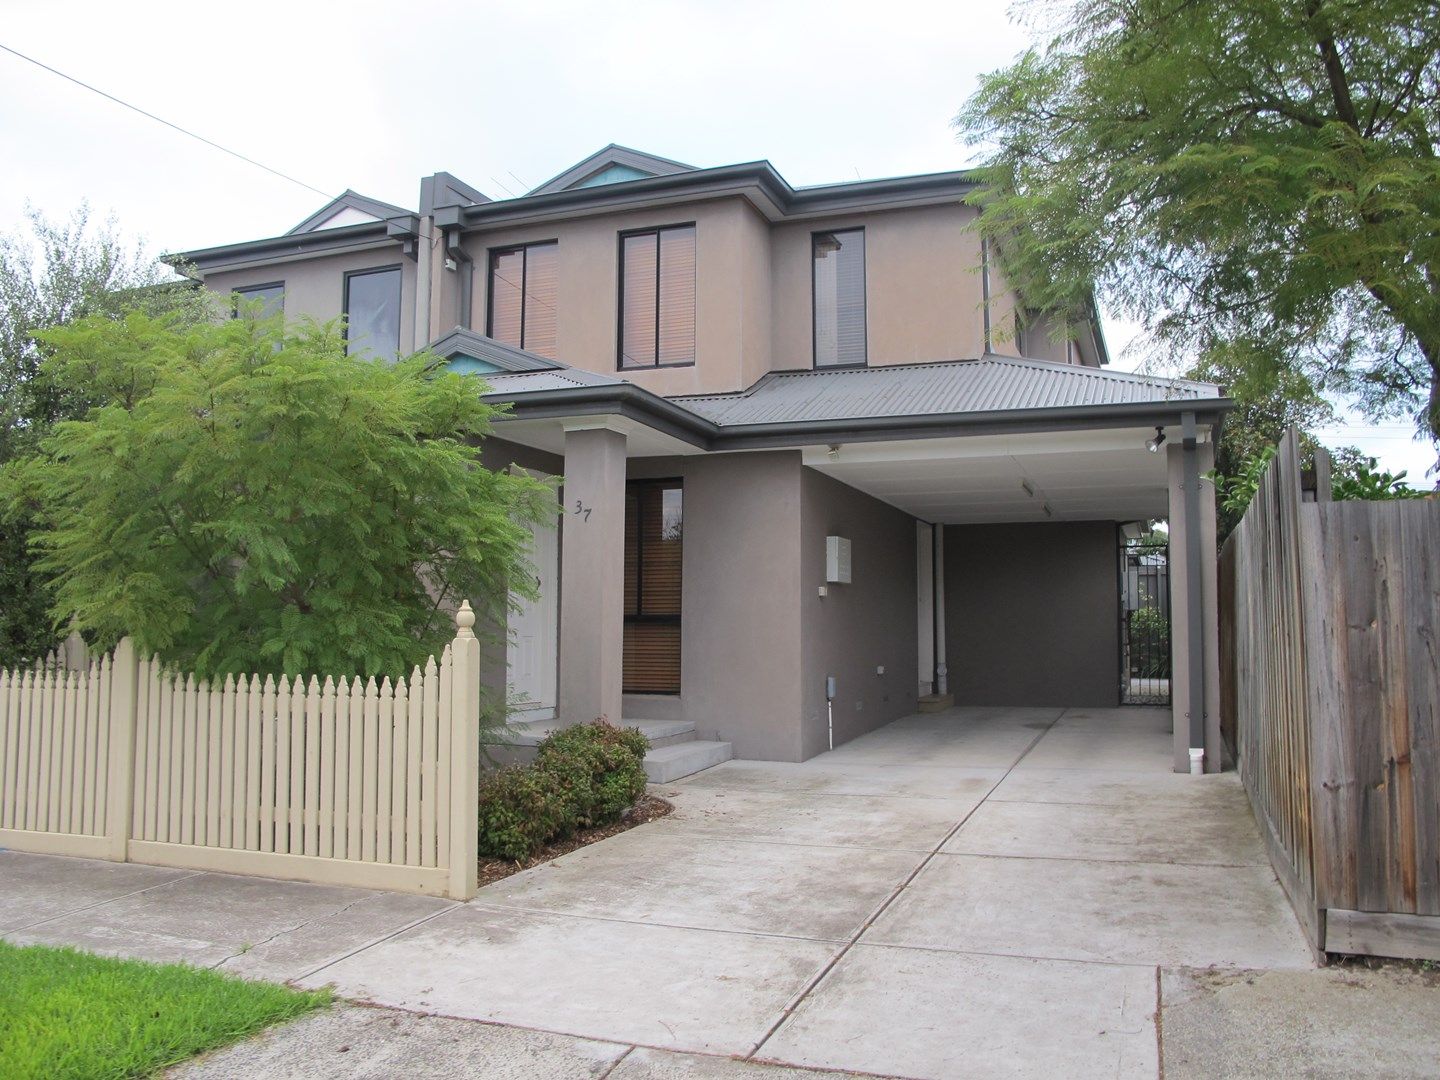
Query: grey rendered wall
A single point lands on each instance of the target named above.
(1032, 614)
(316, 287)
(861, 626)
(740, 623)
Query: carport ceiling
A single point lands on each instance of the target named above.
(1049, 476)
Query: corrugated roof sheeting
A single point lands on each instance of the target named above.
(992, 384)
(530, 382)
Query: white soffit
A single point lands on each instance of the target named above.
(1060, 476)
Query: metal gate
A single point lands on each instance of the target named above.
(1145, 619)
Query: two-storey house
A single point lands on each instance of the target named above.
(821, 465)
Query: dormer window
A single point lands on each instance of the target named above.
(522, 308)
(838, 261)
(657, 297)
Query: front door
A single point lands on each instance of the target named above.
(534, 632)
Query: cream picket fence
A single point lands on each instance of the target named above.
(340, 782)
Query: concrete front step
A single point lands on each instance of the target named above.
(663, 732)
(659, 732)
(666, 763)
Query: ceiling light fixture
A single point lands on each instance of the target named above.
(1154, 444)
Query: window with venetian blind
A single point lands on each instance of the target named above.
(838, 259)
(657, 297)
(654, 527)
(522, 308)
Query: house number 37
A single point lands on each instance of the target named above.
(581, 508)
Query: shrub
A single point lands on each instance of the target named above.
(600, 766)
(520, 809)
(584, 775)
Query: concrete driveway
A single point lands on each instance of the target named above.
(979, 891)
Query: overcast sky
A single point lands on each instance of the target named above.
(502, 95)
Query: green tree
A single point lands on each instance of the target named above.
(247, 497)
(51, 274)
(1257, 177)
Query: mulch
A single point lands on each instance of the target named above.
(648, 809)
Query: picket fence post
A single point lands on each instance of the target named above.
(120, 780)
(464, 756)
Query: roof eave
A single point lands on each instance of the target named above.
(663, 415)
(275, 248)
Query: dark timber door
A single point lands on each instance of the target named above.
(654, 526)
(1145, 619)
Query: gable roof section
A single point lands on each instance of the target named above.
(611, 164)
(992, 384)
(350, 208)
(461, 342)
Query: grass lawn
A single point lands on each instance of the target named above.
(69, 1014)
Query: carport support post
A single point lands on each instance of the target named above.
(1194, 617)
(592, 572)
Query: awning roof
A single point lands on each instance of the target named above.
(990, 384)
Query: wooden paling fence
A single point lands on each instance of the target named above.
(1331, 674)
(341, 782)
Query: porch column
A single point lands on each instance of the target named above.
(592, 572)
(1194, 593)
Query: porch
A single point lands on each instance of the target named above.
(980, 503)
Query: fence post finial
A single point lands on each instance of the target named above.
(464, 753)
(464, 621)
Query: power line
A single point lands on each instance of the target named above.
(162, 120)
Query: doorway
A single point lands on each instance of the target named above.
(1145, 618)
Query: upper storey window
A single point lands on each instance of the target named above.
(657, 297)
(522, 297)
(838, 259)
(372, 312)
(270, 297)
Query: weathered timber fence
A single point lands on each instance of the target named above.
(1331, 674)
(341, 782)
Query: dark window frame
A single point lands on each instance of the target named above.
(245, 290)
(508, 249)
(656, 230)
(865, 317)
(661, 482)
(345, 300)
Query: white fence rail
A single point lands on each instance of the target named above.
(342, 782)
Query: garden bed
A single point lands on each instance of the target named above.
(649, 808)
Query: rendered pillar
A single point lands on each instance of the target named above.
(592, 573)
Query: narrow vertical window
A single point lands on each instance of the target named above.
(522, 309)
(654, 541)
(372, 312)
(657, 297)
(838, 261)
(270, 297)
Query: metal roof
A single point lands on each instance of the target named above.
(512, 384)
(990, 384)
(463, 342)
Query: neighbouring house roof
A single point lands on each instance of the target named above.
(461, 342)
(610, 164)
(990, 384)
(917, 400)
(351, 208)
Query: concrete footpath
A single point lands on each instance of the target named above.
(980, 892)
